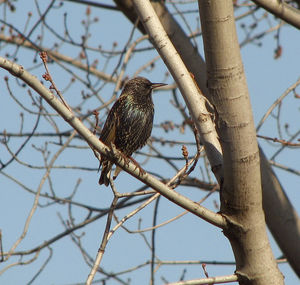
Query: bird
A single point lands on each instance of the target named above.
(129, 122)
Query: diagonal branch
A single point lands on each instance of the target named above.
(18, 71)
(193, 96)
(281, 10)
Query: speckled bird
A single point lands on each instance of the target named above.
(129, 122)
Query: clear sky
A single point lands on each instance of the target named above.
(185, 239)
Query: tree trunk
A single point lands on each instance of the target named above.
(241, 196)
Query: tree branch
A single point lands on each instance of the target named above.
(193, 96)
(18, 71)
(209, 280)
(281, 10)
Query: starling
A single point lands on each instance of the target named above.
(129, 122)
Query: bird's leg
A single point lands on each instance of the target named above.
(126, 161)
(123, 156)
(141, 170)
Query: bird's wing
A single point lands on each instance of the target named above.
(108, 134)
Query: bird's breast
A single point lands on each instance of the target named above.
(135, 127)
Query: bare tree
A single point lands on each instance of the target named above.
(54, 163)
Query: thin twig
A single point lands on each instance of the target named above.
(104, 242)
(47, 76)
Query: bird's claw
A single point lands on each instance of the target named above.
(137, 166)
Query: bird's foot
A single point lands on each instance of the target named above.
(126, 161)
(141, 170)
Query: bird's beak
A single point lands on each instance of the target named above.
(157, 85)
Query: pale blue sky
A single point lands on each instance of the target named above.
(189, 238)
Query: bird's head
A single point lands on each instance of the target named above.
(140, 87)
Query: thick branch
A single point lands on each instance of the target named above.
(286, 222)
(192, 95)
(281, 10)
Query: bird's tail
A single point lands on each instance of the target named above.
(116, 172)
(105, 173)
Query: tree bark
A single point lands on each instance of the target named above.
(241, 195)
(281, 10)
(283, 220)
